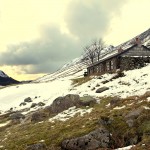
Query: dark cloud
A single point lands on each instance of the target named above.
(87, 20)
(46, 54)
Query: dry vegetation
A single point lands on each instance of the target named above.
(80, 81)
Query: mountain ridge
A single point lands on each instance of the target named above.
(6, 80)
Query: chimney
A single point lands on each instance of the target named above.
(120, 50)
(138, 41)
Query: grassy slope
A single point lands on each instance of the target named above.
(19, 136)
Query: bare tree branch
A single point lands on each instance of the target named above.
(93, 51)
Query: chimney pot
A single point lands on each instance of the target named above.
(120, 50)
(138, 41)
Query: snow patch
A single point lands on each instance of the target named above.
(125, 148)
(119, 107)
(145, 107)
(4, 124)
(69, 113)
(148, 99)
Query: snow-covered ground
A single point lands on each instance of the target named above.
(125, 148)
(135, 82)
(13, 96)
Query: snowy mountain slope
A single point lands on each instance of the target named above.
(144, 37)
(68, 69)
(13, 96)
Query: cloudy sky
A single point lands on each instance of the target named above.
(39, 36)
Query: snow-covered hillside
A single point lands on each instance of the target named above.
(135, 82)
(71, 68)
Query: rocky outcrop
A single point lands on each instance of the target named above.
(28, 99)
(33, 105)
(132, 115)
(63, 103)
(38, 146)
(38, 116)
(41, 104)
(102, 89)
(87, 101)
(22, 104)
(147, 94)
(37, 104)
(99, 138)
(16, 117)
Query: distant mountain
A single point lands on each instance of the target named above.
(6, 80)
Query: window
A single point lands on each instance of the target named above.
(97, 69)
(108, 65)
(100, 68)
(111, 64)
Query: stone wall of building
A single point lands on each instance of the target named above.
(130, 63)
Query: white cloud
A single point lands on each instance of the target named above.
(22, 19)
(132, 20)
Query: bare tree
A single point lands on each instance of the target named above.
(93, 51)
(98, 47)
(90, 53)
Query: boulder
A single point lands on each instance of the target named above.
(17, 116)
(38, 146)
(63, 103)
(147, 94)
(41, 104)
(22, 104)
(38, 116)
(28, 99)
(33, 105)
(99, 138)
(132, 115)
(106, 81)
(87, 101)
(102, 89)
